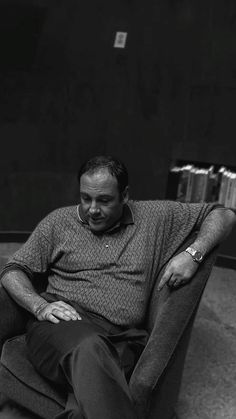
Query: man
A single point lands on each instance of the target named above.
(101, 258)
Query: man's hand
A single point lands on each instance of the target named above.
(179, 271)
(56, 311)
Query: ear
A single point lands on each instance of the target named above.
(125, 195)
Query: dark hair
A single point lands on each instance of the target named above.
(114, 166)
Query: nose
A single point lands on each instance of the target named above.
(94, 208)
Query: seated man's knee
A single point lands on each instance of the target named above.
(95, 344)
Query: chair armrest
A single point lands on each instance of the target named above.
(170, 312)
(158, 300)
(13, 318)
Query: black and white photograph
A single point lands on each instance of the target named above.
(117, 209)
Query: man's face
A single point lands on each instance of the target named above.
(101, 203)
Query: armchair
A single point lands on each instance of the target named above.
(156, 379)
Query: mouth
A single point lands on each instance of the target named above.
(95, 220)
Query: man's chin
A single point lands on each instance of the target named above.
(97, 226)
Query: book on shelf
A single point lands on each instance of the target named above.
(189, 183)
(233, 202)
(183, 184)
(230, 190)
(223, 187)
(200, 184)
(177, 182)
(174, 178)
(218, 179)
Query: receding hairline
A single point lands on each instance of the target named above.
(114, 166)
(99, 170)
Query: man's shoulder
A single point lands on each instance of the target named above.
(149, 205)
(59, 215)
(163, 209)
(63, 211)
(149, 209)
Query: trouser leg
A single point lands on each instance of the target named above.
(79, 356)
(99, 385)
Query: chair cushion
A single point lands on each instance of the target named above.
(14, 358)
(18, 394)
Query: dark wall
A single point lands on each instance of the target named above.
(66, 94)
(204, 114)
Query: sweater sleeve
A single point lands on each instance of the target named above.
(181, 219)
(35, 254)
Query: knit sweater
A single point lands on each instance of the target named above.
(110, 274)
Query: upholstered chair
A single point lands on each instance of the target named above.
(156, 379)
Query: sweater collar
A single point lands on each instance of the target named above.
(126, 218)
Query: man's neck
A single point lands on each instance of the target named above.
(125, 218)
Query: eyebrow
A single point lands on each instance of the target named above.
(99, 196)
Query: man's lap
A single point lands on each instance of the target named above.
(49, 342)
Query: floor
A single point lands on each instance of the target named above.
(209, 380)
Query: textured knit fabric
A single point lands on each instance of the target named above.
(110, 274)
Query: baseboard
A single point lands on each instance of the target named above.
(14, 236)
(225, 261)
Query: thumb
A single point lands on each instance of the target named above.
(165, 278)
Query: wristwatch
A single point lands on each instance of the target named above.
(196, 254)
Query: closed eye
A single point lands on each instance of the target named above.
(85, 198)
(104, 200)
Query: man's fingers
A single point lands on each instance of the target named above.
(179, 271)
(61, 314)
(48, 316)
(174, 281)
(52, 318)
(57, 311)
(164, 280)
(177, 284)
(67, 314)
(171, 280)
(72, 315)
(54, 315)
(67, 310)
(66, 306)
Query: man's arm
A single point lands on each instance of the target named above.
(18, 285)
(214, 229)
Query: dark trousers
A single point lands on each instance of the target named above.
(92, 360)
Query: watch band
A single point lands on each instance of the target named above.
(196, 254)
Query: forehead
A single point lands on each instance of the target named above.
(101, 182)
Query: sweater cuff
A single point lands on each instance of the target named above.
(16, 267)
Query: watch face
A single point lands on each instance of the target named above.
(198, 256)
